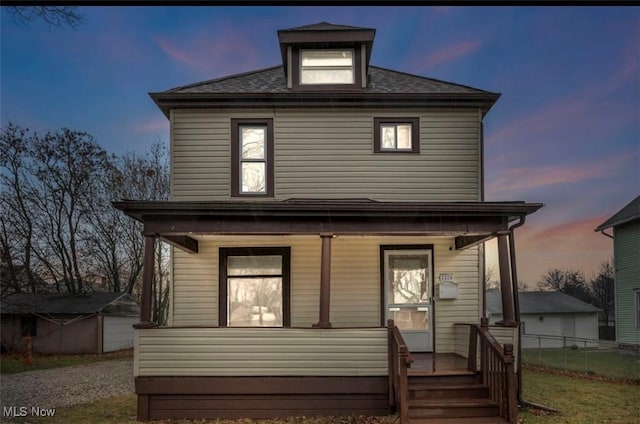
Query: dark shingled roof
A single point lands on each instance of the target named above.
(272, 80)
(629, 213)
(326, 26)
(49, 303)
(541, 302)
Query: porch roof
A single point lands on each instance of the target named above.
(311, 216)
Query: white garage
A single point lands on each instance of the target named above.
(557, 318)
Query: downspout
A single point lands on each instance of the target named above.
(516, 311)
(516, 299)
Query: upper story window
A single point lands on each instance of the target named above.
(252, 157)
(326, 67)
(396, 135)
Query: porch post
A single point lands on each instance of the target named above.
(147, 278)
(325, 282)
(508, 316)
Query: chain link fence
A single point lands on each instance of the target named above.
(598, 357)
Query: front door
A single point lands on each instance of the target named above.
(408, 300)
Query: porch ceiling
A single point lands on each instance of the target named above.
(349, 217)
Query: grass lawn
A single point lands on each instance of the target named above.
(592, 361)
(580, 400)
(11, 364)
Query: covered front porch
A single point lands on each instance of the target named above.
(335, 352)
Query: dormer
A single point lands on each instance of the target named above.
(325, 56)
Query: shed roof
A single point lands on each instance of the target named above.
(541, 302)
(56, 303)
(629, 213)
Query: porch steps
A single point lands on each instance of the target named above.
(450, 399)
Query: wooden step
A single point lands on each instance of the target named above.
(452, 408)
(448, 391)
(436, 379)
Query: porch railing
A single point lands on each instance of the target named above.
(496, 367)
(399, 361)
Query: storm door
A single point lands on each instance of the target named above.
(408, 299)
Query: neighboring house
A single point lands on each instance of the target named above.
(552, 314)
(65, 323)
(626, 262)
(317, 200)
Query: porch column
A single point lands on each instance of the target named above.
(508, 316)
(325, 282)
(147, 278)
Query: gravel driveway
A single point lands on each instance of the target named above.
(58, 387)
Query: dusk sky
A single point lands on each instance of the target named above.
(565, 132)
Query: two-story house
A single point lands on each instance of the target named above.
(625, 225)
(327, 219)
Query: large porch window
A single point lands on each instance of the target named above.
(254, 287)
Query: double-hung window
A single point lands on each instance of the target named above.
(254, 287)
(396, 135)
(252, 157)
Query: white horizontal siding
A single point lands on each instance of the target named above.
(260, 352)
(324, 153)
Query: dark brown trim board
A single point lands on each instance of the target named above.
(260, 397)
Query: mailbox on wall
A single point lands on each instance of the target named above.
(447, 289)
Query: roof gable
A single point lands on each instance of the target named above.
(629, 213)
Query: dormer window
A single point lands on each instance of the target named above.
(326, 67)
(326, 57)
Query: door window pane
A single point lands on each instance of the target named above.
(408, 279)
(410, 318)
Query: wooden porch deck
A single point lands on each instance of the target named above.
(438, 364)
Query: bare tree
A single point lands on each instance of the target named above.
(566, 281)
(116, 240)
(117, 245)
(58, 225)
(16, 223)
(50, 183)
(602, 289)
(56, 16)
